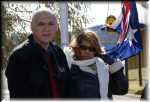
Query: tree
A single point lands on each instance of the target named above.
(7, 44)
(77, 16)
(16, 17)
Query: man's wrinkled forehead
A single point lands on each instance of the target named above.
(43, 15)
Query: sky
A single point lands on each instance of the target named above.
(100, 10)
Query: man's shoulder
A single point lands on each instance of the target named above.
(57, 48)
(21, 48)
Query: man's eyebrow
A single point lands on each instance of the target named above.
(40, 22)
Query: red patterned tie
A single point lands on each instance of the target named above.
(54, 88)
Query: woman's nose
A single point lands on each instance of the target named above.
(87, 50)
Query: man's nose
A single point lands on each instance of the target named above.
(47, 28)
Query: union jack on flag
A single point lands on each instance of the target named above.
(129, 41)
(124, 21)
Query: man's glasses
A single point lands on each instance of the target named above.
(83, 47)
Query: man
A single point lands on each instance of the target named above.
(37, 68)
(110, 20)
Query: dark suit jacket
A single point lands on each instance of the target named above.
(27, 71)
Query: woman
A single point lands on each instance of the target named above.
(90, 73)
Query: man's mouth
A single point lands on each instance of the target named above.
(110, 23)
(46, 34)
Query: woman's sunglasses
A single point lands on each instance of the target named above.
(83, 47)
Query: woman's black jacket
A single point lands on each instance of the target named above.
(86, 85)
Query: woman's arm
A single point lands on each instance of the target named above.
(118, 83)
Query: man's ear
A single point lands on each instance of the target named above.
(32, 28)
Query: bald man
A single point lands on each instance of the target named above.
(37, 68)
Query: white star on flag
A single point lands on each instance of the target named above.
(130, 35)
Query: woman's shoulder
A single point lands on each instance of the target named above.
(68, 50)
(69, 54)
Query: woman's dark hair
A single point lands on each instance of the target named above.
(89, 36)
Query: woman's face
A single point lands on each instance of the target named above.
(86, 51)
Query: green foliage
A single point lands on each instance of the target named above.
(57, 38)
(16, 17)
(76, 16)
(7, 20)
(18, 37)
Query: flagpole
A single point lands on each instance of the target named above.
(63, 11)
(126, 68)
(140, 72)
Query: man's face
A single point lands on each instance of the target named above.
(110, 21)
(44, 27)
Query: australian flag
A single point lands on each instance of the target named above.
(129, 41)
